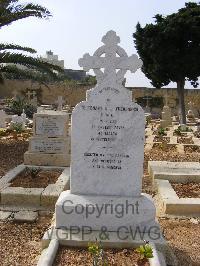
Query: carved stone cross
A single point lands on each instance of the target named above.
(34, 94)
(148, 99)
(29, 95)
(190, 105)
(14, 94)
(110, 62)
(60, 103)
(166, 99)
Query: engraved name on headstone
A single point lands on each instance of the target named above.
(51, 126)
(48, 145)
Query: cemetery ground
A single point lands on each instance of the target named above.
(20, 241)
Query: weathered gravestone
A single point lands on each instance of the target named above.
(166, 114)
(107, 149)
(50, 142)
(17, 121)
(2, 119)
(60, 103)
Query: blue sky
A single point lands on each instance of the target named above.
(77, 27)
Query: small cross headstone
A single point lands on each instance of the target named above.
(28, 94)
(107, 144)
(34, 99)
(2, 119)
(15, 95)
(148, 98)
(23, 116)
(190, 114)
(60, 103)
(190, 105)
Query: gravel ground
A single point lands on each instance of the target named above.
(18, 247)
(20, 242)
(81, 257)
(41, 180)
(11, 154)
(185, 140)
(194, 149)
(183, 236)
(163, 147)
(189, 190)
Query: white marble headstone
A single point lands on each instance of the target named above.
(107, 142)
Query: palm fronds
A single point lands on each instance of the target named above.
(11, 10)
(8, 46)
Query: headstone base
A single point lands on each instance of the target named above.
(43, 159)
(82, 238)
(110, 212)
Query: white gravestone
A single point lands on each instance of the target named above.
(23, 116)
(2, 119)
(17, 120)
(107, 147)
(190, 114)
(28, 94)
(34, 99)
(60, 103)
(110, 150)
(166, 114)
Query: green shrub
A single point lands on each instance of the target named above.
(17, 127)
(161, 132)
(33, 172)
(146, 251)
(99, 256)
(17, 106)
(179, 130)
(3, 132)
(30, 110)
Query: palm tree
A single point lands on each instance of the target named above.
(13, 62)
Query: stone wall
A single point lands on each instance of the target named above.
(192, 95)
(74, 94)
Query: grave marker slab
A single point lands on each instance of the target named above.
(50, 144)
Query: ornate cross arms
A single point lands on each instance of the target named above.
(112, 58)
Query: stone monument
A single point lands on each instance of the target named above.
(190, 114)
(2, 119)
(147, 108)
(34, 101)
(50, 143)
(107, 150)
(166, 115)
(60, 103)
